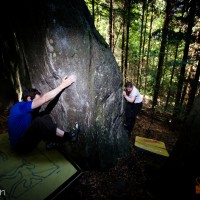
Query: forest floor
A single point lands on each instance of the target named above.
(130, 177)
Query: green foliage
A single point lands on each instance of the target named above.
(145, 40)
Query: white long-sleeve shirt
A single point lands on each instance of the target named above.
(134, 96)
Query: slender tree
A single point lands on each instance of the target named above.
(111, 26)
(194, 80)
(168, 17)
(93, 13)
(140, 47)
(178, 37)
(127, 36)
(148, 48)
(190, 18)
(171, 78)
(194, 86)
(143, 44)
(123, 41)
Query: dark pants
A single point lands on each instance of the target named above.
(132, 110)
(41, 128)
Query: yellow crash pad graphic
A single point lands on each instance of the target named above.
(33, 176)
(151, 145)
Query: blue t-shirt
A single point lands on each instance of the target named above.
(19, 120)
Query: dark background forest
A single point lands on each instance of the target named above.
(157, 46)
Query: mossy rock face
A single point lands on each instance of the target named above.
(58, 38)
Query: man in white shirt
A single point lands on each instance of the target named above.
(133, 105)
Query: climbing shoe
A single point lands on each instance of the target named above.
(75, 132)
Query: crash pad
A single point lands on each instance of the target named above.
(41, 174)
(151, 145)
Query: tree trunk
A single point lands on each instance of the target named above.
(194, 86)
(148, 49)
(143, 47)
(140, 48)
(194, 71)
(58, 38)
(127, 36)
(93, 13)
(123, 44)
(162, 51)
(171, 78)
(191, 16)
(111, 26)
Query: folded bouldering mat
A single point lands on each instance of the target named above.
(42, 174)
(151, 145)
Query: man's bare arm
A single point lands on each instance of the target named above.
(51, 94)
(129, 99)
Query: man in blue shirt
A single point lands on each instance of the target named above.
(27, 126)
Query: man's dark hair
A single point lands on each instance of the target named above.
(129, 84)
(30, 93)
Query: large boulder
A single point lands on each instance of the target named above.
(57, 38)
